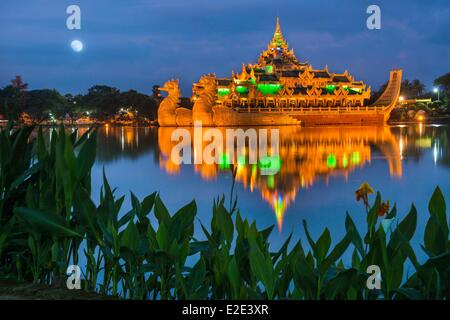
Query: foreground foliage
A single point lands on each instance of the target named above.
(48, 221)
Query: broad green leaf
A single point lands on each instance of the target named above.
(197, 275)
(147, 205)
(222, 221)
(86, 157)
(161, 212)
(130, 237)
(182, 224)
(162, 237)
(437, 208)
(85, 211)
(262, 267)
(409, 293)
(47, 221)
(234, 277)
(336, 253)
(355, 236)
(323, 245)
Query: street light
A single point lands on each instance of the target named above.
(436, 90)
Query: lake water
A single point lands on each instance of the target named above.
(320, 170)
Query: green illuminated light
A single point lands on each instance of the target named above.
(254, 170)
(356, 90)
(344, 161)
(270, 181)
(223, 91)
(224, 161)
(271, 88)
(241, 160)
(241, 89)
(272, 163)
(355, 158)
(331, 161)
(330, 88)
(269, 69)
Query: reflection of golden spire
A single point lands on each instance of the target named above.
(279, 208)
(279, 211)
(279, 203)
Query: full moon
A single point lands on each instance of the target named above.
(77, 45)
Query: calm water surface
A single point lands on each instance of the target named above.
(320, 170)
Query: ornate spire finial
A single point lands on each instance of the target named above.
(278, 28)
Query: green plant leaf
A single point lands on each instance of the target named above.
(410, 293)
(197, 276)
(262, 267)
(182, 223)
(86, 157)
(47, 221)
(129, 238)
(85, 211)
(222, 221)
(323, 245)
(437, 208)
(335, 254)
(161, 212)
(355, 236)
(234, 277)
(147, 205)
(162, 237)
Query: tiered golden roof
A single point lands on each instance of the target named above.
(279, 79)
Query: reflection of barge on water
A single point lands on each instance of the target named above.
(279, 90)
(307, 155)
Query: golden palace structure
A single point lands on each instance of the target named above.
(279, 90)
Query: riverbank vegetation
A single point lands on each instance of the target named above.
(101, 103)
(48, 221)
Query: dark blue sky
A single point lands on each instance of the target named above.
(138, 43)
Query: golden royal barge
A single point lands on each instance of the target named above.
(279, 90)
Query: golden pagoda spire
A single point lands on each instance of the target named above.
(244, 75)
(278, 28)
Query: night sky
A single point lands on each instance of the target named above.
(134, 44)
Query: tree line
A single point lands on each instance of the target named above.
(100, 102)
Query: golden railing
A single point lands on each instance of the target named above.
(309, 110)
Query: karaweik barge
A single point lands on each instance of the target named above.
(279, 90)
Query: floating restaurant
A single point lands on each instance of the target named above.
(279, 90)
